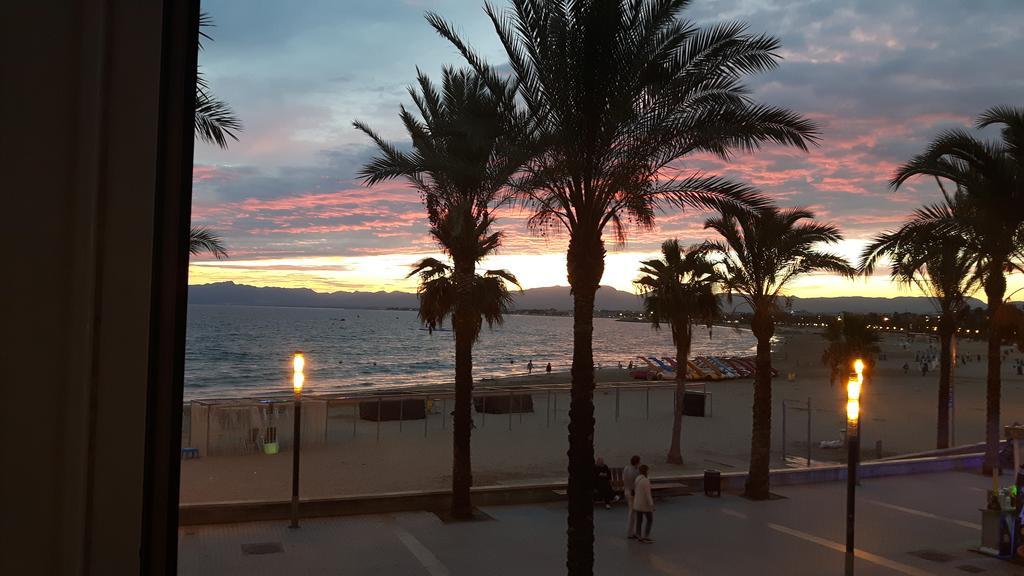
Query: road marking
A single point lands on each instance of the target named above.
(867, 556)
(924, 514)
(731, 512)
(666, 567)
(426, 557)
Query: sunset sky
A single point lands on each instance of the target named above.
(881, 77)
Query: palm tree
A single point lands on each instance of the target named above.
(849, 338)
(943, 270)
(214, 122)
(760, 253)
(986, 209)
(461, 159)
(678, 290)
(615, 94)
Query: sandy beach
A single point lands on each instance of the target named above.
(632, 418)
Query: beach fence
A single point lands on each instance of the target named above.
(812, 432)
(227, 427)
(247, 426)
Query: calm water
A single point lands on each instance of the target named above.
(246, 350)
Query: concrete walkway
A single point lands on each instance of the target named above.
(912, 525)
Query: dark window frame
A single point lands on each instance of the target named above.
(169, 287)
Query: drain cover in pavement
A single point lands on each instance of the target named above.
(932, 555)
(970, 569)
(262, 548)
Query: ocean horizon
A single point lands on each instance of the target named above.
(244, 351)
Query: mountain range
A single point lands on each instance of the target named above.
(547, 298)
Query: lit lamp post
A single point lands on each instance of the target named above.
(298, 379)
(853, 389)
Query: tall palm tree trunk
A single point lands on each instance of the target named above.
(761, 434)
(462, 470)
(946, 335)
(995, 289)
(585, 267)
(683, 338)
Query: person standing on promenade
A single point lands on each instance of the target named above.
(643, 504)
(529, 367)
(548, 369)
(629, 474)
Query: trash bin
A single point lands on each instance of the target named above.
(712, 483)
(693, 404)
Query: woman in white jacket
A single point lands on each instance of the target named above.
(643, 504)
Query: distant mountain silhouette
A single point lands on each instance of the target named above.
(551, 297)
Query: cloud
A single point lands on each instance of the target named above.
(880, 77)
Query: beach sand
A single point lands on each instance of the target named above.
(898, 409)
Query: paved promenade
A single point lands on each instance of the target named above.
(910, 525)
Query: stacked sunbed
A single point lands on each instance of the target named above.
(705, 367)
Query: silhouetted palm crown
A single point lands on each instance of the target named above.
(763, 250)
(986, 207)
(438, 297)
(679, 288)
(849, 338)
(940, 267)
(615, 92)
(461, 157)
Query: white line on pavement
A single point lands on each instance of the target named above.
(425, 556)
(924, 514)
(867, 556)
(731, 512)
(666, 567)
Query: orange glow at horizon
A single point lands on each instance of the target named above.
(387, 272)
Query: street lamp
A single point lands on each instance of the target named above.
(853, 390)
(298, 379)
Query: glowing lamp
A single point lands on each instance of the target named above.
(853, 410)
(298, 376)
(853, 390)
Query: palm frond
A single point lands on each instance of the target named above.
(215, 121)
(201, 240)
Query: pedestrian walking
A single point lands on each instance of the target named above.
(548, 369)
(529, 367)
(629, 474)
(643, 505)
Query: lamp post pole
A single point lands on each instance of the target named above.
(853, 390)
(298, 379)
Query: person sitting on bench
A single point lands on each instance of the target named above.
(603, 483)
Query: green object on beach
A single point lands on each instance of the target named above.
(270, 448)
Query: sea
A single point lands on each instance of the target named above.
(245, 351)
